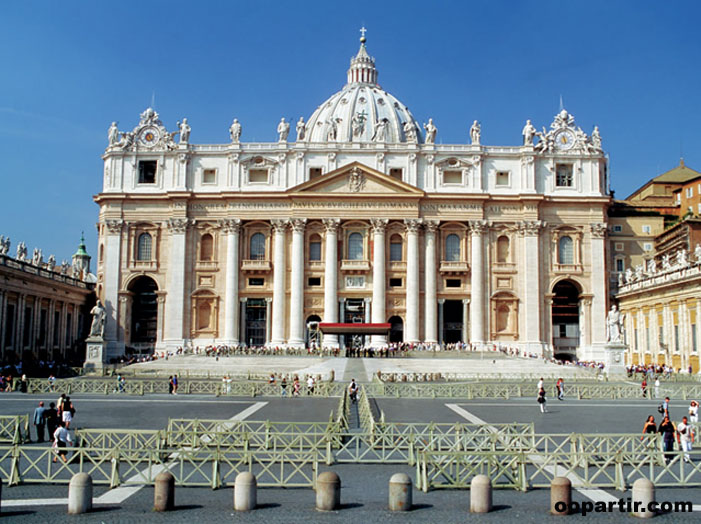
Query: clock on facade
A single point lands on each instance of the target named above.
(149, 136)
(564, 139)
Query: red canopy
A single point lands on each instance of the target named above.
(354, 329)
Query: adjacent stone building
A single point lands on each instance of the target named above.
(364, 217)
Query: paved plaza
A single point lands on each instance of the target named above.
(364, 486)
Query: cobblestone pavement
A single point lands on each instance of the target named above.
(365, 487)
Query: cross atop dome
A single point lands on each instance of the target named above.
(362, 69)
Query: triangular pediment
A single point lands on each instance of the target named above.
(356, 179)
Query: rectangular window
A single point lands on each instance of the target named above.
(617, 229)
(502, 178)
(355, 282)
(209, 176)
(147, 171)
(396, 172)
(453, 282)
(395, 251)
(647, 246)
(689, 192)
(315, 251)
(314, 172)
(563, 175)
(395, 282)
(452, 177)
(314, 281)
(620, 266)
(679, 198)
(699, 208)
(258, 176)
(647, 229)
(256, 281)
(618, 246)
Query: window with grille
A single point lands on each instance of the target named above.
(143, 249)
(563, 175)
(355, 246)
(258, 246)
(452, 248)
(566, 250)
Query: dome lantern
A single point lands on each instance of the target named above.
(362, 66)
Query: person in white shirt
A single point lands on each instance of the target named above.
(694, 411)
(685, 437)
(310, 385)
(62, 439)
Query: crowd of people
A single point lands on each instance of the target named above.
(651, 370)
(683, 432)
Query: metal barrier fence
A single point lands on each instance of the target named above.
(519, 470)
(14, 429)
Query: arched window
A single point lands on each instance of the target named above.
(566, 250)
(258, 246)
(503, 249)
(395, 248)
(204, 315)
(206, 247)
(315, 247)
(503, 312)
(355, 246)
(452, 248)
(143, 248)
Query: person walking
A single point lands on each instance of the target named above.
(650, 427)
(51, 418)
(175, 384)
(62, 439)
(542, 400)
(665, 406)
(67, 412)
(353, 391)
(643, 386)
(657, 387)
(560, 389)
(685, 437)
(39, 421)
(310, 385)
(668, 431)
(283, 387)
(170, 385)
(694, 412)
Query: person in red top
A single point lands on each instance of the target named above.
(560, 384)
(643, 386)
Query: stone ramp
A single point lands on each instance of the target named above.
(355, 369)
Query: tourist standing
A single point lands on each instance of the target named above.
(67, 412)
(668, 432)
(283, 387)
(643, 386)
(170, 385)
(353, 391)
(694, 412)
(39, 421)
(542, 400)
(657, 387)
(175, 384)
(685, 436)
(560, 389)
(650, 427)
(665, 406)
(310, 385)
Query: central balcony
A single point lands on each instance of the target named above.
(355, 266)
(255, 266)
(451, 267)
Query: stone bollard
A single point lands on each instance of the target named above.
(245, 491)
(80, 494)
(164, 492)
(643, 494)
(560, 496)
(481, 494)
(328, 491)
(400, 492)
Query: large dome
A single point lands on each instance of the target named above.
(362, 111)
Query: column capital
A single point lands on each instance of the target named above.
(413, 224)
(431, 226)
(298, 224)
(478, 227)
(378, 224)
(367, 300)
(268, 300)
(114, 227)
(598, 229)
(530, 228)
(279, 225)
(465, 300)
(331, 224)
(243, 299)
(342, 299)
(178, 225)
(230, 225)
(441, 301)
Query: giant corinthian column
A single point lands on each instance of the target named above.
(231, 228)
(430, 298)
(411, 323)
(297, 285)
(331, 278)
(378, 277)
(479, 308)
(279, 270)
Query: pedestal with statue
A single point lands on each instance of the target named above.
(615, 348)
(95, 343)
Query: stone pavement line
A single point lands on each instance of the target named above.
(120, 494)
(594, 494)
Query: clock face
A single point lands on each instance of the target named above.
(149, 136)
(564, 139)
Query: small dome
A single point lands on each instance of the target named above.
(362, 111)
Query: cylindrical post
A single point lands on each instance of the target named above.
(245, 487)
(643, 495)
(80, 494)
(481, 494)
(164, 492)
(328, 491)
(560, 496)
(400, 492)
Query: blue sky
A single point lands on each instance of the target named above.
(70, 68)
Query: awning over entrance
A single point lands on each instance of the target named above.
(353, 328)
